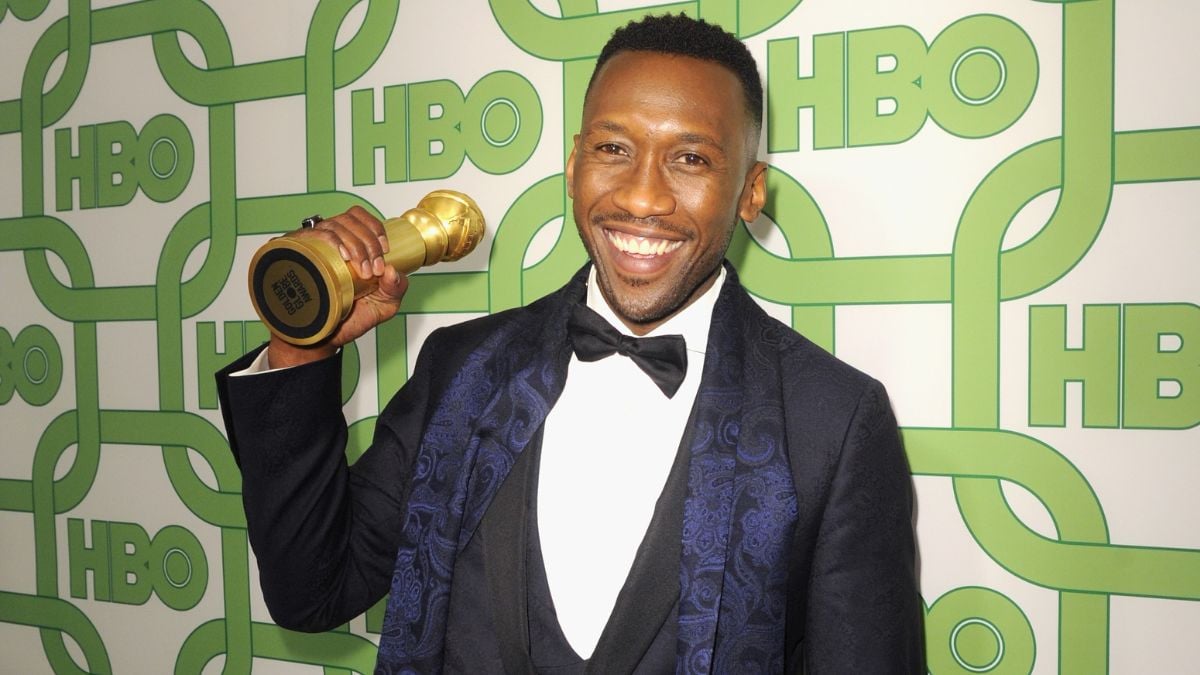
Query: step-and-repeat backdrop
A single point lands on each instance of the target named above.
(990, 205)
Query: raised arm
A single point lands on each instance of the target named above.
(324, 534)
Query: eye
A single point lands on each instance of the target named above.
(692, 159)
(610, 149)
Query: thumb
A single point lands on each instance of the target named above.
(392, 285)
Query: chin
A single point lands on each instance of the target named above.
(645, 309)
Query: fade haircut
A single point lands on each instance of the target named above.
(684, 36)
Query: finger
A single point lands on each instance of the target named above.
(366, 241)
(372, 223)
(392, 284)
(354, 248)
(327, 235)
(365, 230)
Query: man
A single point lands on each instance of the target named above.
(534, 507)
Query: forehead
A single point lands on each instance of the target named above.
(650, 83)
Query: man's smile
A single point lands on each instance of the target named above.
(640, 246)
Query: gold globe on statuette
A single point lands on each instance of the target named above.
(302, 289)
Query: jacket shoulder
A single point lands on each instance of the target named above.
(803, 366)
(823, 398)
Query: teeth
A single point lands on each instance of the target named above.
(641, 245)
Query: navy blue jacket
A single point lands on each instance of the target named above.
(830, 588)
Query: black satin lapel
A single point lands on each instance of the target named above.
(505, 539)
(651, 590)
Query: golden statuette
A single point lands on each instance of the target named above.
(302, 289)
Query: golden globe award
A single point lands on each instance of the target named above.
(302, 289)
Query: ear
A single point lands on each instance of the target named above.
(571, 168)
(754, 192)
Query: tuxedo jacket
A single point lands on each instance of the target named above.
(830, 588)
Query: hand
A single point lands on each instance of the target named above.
(361, 240)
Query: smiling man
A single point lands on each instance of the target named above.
(550, 493)
(662, 168)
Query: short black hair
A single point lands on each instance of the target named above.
(684, 36)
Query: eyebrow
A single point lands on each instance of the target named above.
(610, 126)
(701, 139)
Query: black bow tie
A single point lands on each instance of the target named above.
(662, 357)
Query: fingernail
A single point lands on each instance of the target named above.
(344, 252)
(379, 266)
(365, 266)
(383, 241)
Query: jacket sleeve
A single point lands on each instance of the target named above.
(324, 533)
(865, 613)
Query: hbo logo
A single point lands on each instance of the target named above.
(427, 129)
(31, 365)
(112, 160)
(127, 564)
(877, 86)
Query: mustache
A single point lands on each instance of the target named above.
(652, 223)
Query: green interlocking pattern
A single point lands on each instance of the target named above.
(1138, 365)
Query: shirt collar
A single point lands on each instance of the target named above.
(692, 322)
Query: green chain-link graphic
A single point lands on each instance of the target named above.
(970, 629)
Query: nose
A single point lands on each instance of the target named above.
(644, 192)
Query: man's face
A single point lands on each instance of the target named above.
(659, 174)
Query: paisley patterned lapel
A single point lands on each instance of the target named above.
(741, 504)
(707, 511)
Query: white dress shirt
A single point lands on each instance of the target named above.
(607, 448)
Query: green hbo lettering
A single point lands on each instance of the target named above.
(110, 161)
(1136, 365)
(126, 564)
(876, 86)
(428, 128)
(30, 365)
